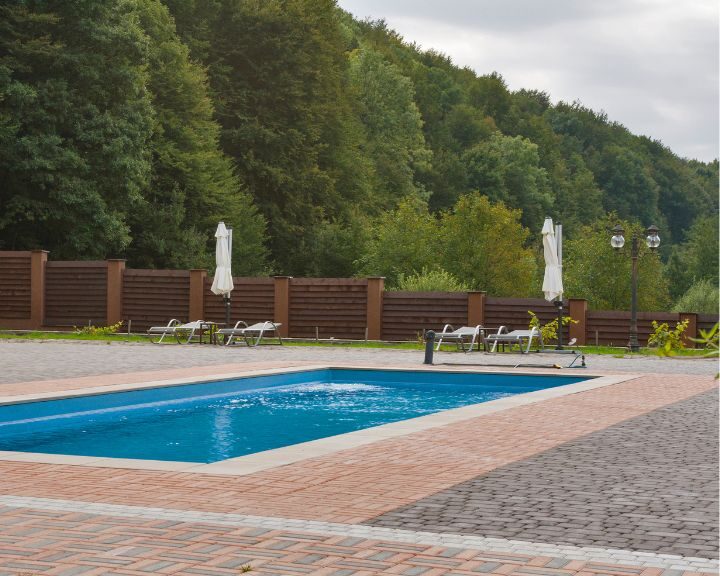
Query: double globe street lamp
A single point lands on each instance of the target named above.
(618, 241)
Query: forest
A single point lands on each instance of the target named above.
(333, 147)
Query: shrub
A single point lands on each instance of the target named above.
(710, 339)
(98, 330)
(665, 339)
(549, 330)
(701, 297)
(431, 280)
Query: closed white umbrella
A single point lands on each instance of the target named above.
(223, 282)
(552, 283)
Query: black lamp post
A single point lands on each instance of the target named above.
(618, 241)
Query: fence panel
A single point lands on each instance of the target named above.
(336, 306)
(15, 285)
(75, 293)
(612, 328)
(153, 297)
(252, 300)
(706, 321)
(407, 314)
(513, 313)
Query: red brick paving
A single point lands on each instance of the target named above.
(349, 486)
(64, 544)
(355, 485)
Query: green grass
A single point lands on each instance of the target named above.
(618, 352)
(72, 336)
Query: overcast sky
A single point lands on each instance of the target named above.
(651, 65)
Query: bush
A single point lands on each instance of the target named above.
(701, 297)
(665, 339)
(98, 330)
(430, 280)
(549, 330)
(710, 339)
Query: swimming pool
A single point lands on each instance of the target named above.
(213, 421)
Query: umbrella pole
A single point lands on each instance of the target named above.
(227, 310)
(559, 304)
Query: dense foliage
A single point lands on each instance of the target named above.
(128, 128)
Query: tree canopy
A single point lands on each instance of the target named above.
(128, 128)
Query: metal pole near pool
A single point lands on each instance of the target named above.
(429, 346)
(227, 296)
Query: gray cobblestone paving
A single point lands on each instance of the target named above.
(26, 360)
(647, 484)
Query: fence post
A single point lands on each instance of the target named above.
(578, 311)
(691, 330)
(282, 304)
(113, 311)
(38, 259)
(374, 310)
(476, 308)
(196, 306)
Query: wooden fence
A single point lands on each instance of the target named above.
(152, 297)
(406, 314)
(36, 293)
(15, 286)
(75, 293)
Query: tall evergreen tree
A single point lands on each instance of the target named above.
(393, 127)
(75, 117)
(277, 67)
(192, 183)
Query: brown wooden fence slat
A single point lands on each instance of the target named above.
(15, 285)
(252, 300)
(612, 327)
(153, 297)
(335, 307)
(407, 314)
(75, 293)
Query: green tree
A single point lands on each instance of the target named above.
(335, 247)
(506, 169)
(430, 280)
(628, 187)
(393, 127)
(697, 258)
(592, 269)
(278, 70)
(402, 241)
(192, 184)
(75, 119)
(703, 297)
(483, 245)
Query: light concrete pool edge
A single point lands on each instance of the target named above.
(265, 460)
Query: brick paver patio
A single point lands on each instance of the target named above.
(313, 516)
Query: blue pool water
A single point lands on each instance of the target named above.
(213, 421)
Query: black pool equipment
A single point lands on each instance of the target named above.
(429, 346)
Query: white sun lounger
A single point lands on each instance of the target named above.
(460, 336)
(175, 328)
(250, 333)
(519, 337)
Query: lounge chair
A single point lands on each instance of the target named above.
(523, 338)
(460, 336)
(175, 328)
(250, 333)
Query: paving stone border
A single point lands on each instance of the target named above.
(608, 556)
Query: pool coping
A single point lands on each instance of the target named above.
(259, 461)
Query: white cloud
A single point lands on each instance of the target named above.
(652, 65)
